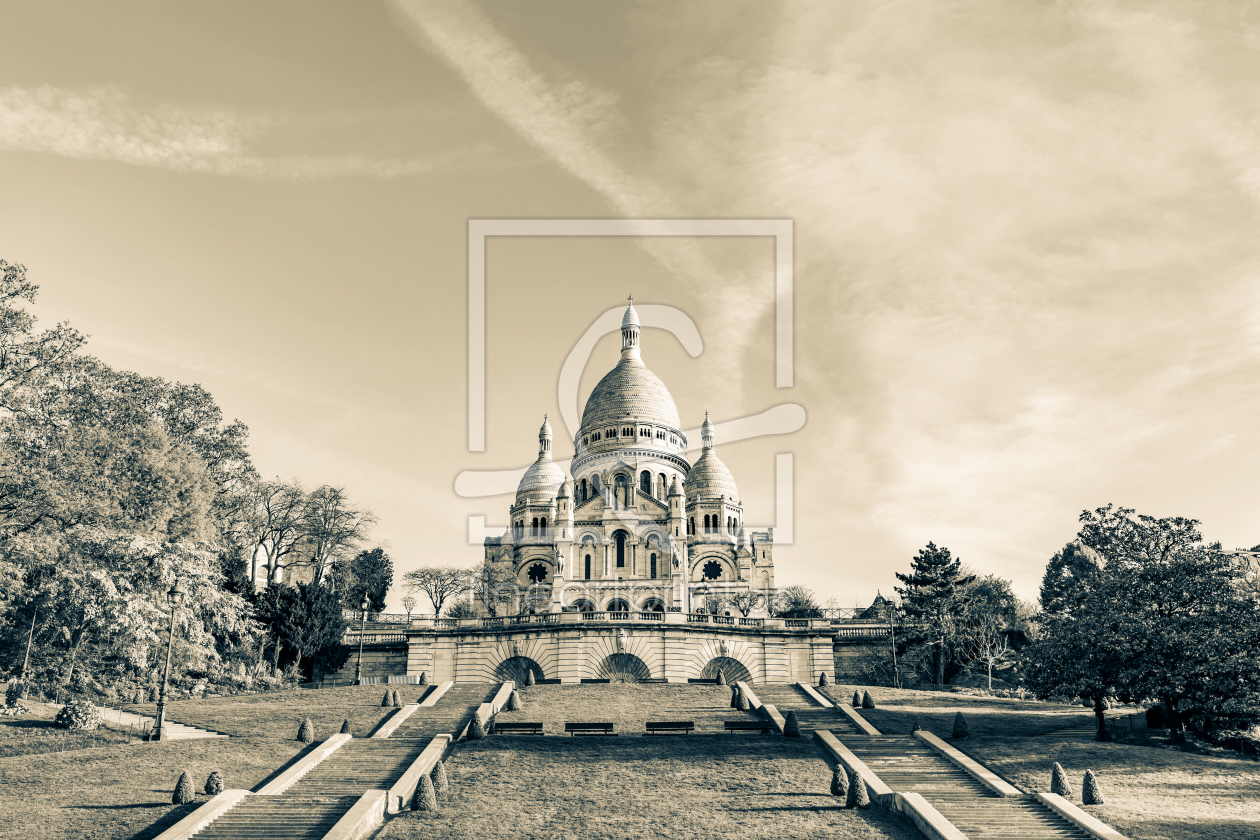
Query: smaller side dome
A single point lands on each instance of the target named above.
(543, 478)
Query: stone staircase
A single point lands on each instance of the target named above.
(141, 723)
(315, 802)
(810, 716)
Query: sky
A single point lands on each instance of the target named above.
(1026, 254)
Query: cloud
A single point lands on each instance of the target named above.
(103, 124)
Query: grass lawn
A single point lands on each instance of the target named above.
(34, 733)
(113, 793)
(278, 714)
(697, 786)
(628, 705)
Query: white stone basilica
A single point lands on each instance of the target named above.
(637, 528)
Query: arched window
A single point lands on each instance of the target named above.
(588, 567)
(645, 482)
(583, 491)
(542, 526)
(533, 528)
(620, 537)
(663, 485)
(706, 523)
(618, 605)
(653, 568)
(691, 526)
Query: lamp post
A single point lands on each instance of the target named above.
(358, 665)
(175, 598)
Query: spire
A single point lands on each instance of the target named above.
(706, 433)
(630, 332)
(544, 439)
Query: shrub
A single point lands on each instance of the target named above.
(868, 702)
(735, 697)
(840, 782)
(214, 784)
(476, 729)
(15, 692)
(916, 728)
(425, 799)
(858, 796)
(824, 680)
(386, 700)
(1090, 794)
(183, 790)
(424, 678)
(306, 732)
(961, 730)
(514, 702)
(79, 716)
(440, 783)
(529, 677)
(721, 678)
(1059, 782)
(857, 699)
(394, 699)
(345, 727)
(791, 727)
(742, 703)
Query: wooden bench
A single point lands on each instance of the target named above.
(656, 727)
(518, 728)
(763, 726)
(589, 729)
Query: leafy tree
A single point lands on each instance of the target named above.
(933, 599)
(1071, 575)
(438, 583)
(307, 624)
(369, 574)
(796, 601)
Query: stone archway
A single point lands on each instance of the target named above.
(516, 669)
(623, 668)
(732, 669)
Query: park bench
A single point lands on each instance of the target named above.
(655, 727)
(589, 729)
(763, 726)
(518, 728)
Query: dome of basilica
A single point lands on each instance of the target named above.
(709, 478)
(543, 478)
(629, 390)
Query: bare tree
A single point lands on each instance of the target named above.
(276, 524)
(332, 529)
(988, 642)
(409, 604)
(745, 602)
(438, 583)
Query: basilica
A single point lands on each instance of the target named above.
(635, 527)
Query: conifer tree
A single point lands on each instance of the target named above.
(214, 784)
(1090, 794)
(932, 599)
(386, 700)
(529, 677)
(345, 727)
(424, 678)
(840, 782)
(721, 678)
(425, 798)
(306, 732)
(476, 729)
(1059, 782)
(857, 699)
(735, 697)
(397, 703)
(514, 702)
(824, 680)
(868, 702)
(791, 727)
(183, 790)
(742, 703)
(961, 730)
(441, 783)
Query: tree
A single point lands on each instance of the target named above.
(1071, 575)
(25, 355)
(933, 599)
(495, 586)
(438, 583)
(409, 604)
(331, 527)
(745, 602)
(796, 602)
(276, 524)
(369, 574)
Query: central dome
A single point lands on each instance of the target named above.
(629, 390)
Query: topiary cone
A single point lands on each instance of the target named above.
(916, 728)
(735, 697)
(868, 702)
(394, 699)
(840, 783)
(824, 680)
(345, 727)
(476, 729)
(386, 700)
(791, 728)
(306, 732)
(721, 678)
(424, 799)
(514, 702)
(214, 784)
(961, 730)
(529, 677)
(857, 796)
(1090, 794)
(183, 790)
(440, 783)
(857, 699)
(424, 678)
(1059, 782)
(742, 703)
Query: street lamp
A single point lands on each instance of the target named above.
(358, 665)
(175, 598)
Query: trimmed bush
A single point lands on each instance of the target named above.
(476, 729)
(735, 697)
(15, 692)
(791, 727)
(1090, 794)
(742, 702)
(868, 702)
(961, 730)
(840, 782)
(425, 799)
(440, 783)
(183, 790)
(387, 700)
(1059, 782)
(824, 680)
(306, 732)
(529, 677)
(345, 727)
(916, 728)
(857, 699)
(214, 784)
(424, 678)
(79, 716)
(514, 702)
(394, 699)
(721, 678)
(858, 796)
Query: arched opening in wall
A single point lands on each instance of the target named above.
(732, 669)
(706, 523)
(588, 567)
(584, 605)
(618, 605)
(663, 485)
(645, 483)
(620, 538)
(652, 565)
(623, 668)
(595, 483)
(533, 528)
(653, 605)
(517, 669)
(582, 492)
(620, 487)
(542, 526)
(691, 526)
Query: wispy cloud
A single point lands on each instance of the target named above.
(103, 124)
